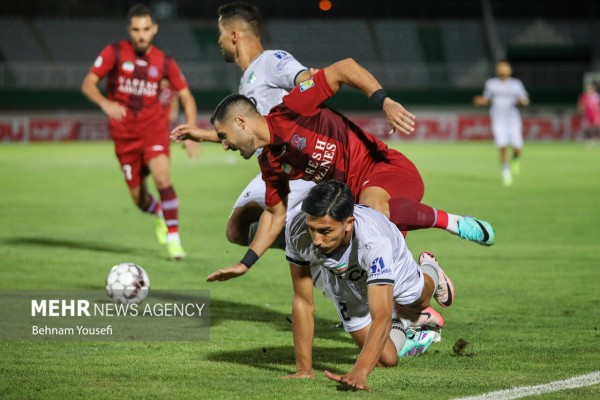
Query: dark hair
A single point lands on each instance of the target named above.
(246, 11)
(229, 102)
(332, 198)
(139, 10)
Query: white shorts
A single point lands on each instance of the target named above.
(255, 191)
(350, 298)
(507, 131)
(409, 291)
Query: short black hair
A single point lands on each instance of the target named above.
(241, 9)
(329, 198)
(139, 10)
(229, 102)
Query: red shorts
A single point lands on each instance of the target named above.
(135, 153)
(399, 177)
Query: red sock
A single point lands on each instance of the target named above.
(170, 208)
(154, 207)
(409, 215)
(442, 219)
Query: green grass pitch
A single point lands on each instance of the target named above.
(528, 306)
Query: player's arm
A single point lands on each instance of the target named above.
(481, 101)
(90, 89)
(303, 320)
(173, 110)
(189, 131)
(380, 306)
(270, 224)
(304, 76)
(484, 100)
(192, 132)
(523, 97)
(190, 110)
(349, 72)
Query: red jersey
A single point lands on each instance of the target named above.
(133, 81)
(591, 108)
(313, 142)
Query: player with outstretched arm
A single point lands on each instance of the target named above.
(365, 261)
(303, 139)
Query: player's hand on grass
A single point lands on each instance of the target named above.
(300, 375)
(399, 117)
(114, 110)
(192, 149)
(225, 274)
(354, 380)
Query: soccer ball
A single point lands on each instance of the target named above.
(127, 283)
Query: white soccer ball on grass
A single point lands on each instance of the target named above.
(127, 283)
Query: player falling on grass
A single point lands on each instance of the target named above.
(303, 139)
(505, 94)
(138, 124)
(267, 76)
(364, 260)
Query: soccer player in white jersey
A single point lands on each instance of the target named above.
(268, 75)
(363, 259)
(505, 94)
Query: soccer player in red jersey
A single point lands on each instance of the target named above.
(138, 124)
(303, 139)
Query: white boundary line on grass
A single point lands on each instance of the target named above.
(590, 379)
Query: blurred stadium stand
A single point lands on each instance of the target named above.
(430, 53)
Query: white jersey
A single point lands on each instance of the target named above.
(506, 119)
(376, 254)
(269, 77)
(503, 95)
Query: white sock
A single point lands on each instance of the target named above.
(173, 236)
(398, 333)
(453, 223)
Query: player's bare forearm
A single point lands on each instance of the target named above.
(481, 101)
(191, 132)
(303, 309)
(349, 72)
(90, 89)
(380, 307)
(190, 110)
(304, 75)
(270, 224)
(374, 345)
(188, 103)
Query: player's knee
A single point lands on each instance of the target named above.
(235, 235)
(388, 360)
(162, 181)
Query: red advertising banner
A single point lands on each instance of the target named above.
(439, 126)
